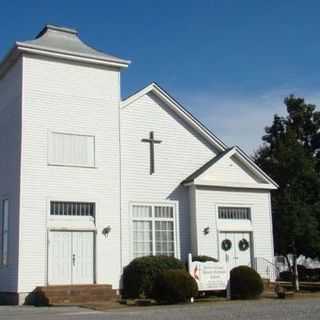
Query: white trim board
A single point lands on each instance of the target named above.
(198, 177)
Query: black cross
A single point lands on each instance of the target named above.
(152, 143)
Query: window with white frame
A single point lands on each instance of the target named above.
(153, 230)
(4, 232)
(67, 208)
(71, 149)
(234, 213)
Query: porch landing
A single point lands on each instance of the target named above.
(73, 294)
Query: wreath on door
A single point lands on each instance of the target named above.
(226, 244)
(243, 244)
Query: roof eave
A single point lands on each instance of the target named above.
(218, 184)
(256, 167)
(154, 87)
(28, 48)
(194, 179)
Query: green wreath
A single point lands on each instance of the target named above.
(226, 244)
(243, 244)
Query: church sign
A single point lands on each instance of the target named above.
(209, 275)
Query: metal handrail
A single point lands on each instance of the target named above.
(271, 269)
(269, 262)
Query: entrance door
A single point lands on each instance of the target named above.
(82, 257)
(235, 249)
(60, 252)
(71, 257)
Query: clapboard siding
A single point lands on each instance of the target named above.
(78, 99)
(10, 141)
(180, 153)
(230, 170)
(207, 200)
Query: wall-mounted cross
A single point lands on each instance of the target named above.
(152, 142)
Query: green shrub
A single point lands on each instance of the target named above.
(174, 286)
(204, 259)
(245, 283)
(139, 276)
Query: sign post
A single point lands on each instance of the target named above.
(209, 275)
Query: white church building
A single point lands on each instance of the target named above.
(89, 181)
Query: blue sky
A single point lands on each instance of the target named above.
(229, 62)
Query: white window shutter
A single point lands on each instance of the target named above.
(71, 149)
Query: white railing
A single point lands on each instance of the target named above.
(266, 268)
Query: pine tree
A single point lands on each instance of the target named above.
(290, 155)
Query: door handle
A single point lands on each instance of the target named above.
(73, 259)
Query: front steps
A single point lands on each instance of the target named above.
(72, 294)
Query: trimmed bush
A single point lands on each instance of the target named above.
(204, 259)
(245, 283)
(139, 276)
(174, 286)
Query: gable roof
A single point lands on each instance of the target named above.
(64, 43)
(177, 108)
(269, 183)
(206, 166)
(224, 150)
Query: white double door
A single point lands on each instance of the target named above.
(235, 249)
(71, 257)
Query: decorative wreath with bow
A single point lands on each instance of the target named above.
(243, 244)
(226, 244)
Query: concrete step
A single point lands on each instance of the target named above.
(75, 287)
